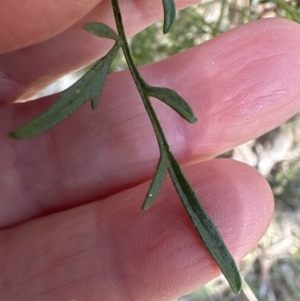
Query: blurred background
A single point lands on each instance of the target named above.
(272, 270)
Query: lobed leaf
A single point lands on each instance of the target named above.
(205, 227)
(89, 86)
(174, 100)
(101, 30)
(169, 14)
(157, 182)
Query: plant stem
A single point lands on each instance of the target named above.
(140, 83)
(200, 219)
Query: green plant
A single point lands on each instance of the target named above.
(90, 87)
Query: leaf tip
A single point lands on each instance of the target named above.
(144, 207)
(101, 30)
(20, 134)
(234, 278)
(167, 27)
(14, 135)
(87, 26)
(148, 202)
(238, 288)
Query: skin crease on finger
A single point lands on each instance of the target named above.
(94, 154)
(25, 72)
(111, 250)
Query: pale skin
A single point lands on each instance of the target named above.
(70, 218)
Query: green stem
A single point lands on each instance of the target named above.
(140, 83)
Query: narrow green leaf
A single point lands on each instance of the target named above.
(169, 14)
(157, 182)
(99, 77)
(88, 87)
(205, 227)
(101, 30)
(174, 100)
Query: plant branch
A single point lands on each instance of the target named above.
(90, 87)
(202, 222)
(139, 81)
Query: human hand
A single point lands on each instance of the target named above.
(72, 228)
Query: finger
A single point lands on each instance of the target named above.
(27, 71)
(29, 22)
(92, 155)
(112, 250)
